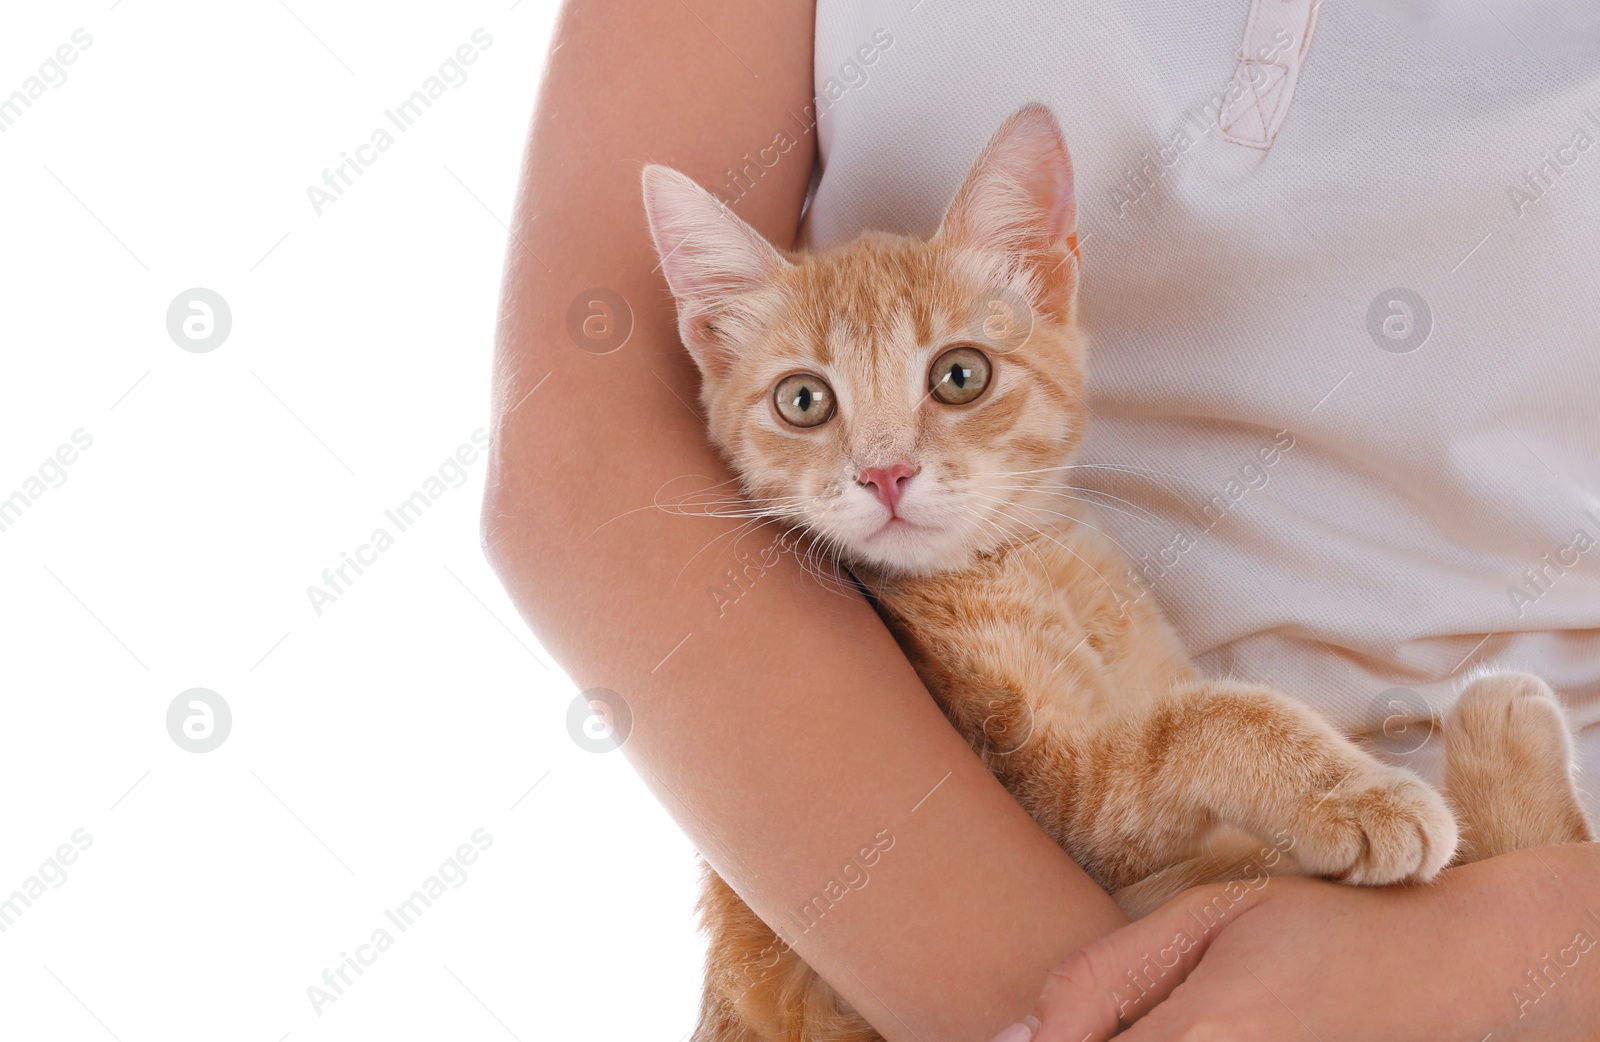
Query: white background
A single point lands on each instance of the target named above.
(368, 742)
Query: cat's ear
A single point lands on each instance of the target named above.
(710, 257)
(1018, 199)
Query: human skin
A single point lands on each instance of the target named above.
(788, 730)
(1301, 958)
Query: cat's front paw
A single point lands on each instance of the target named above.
(1508, 766)
(1379, 825)
(1512, 724)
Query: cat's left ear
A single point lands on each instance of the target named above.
(1018, 199)
(710, 258)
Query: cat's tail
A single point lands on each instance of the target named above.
(758, 989)
(1231, 855)
(719, 1023)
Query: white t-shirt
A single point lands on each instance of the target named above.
(1404, 277)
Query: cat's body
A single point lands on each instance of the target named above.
(862, 395)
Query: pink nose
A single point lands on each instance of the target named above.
(888, 483)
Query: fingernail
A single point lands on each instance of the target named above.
(1022, 1031)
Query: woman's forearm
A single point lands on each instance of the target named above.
(777, 721)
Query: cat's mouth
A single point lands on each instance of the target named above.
(896, 524)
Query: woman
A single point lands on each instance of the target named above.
(1373, 230)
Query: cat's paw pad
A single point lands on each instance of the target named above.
(1379, 825)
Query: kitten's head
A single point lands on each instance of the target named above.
(909, 402)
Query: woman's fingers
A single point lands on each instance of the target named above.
(1116, 980)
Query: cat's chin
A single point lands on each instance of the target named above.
(904, 547)
(897, 526)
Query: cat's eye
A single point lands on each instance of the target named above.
(803, 399)
(959, 375)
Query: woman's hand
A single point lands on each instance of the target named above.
(1501, 949)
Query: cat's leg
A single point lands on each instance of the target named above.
(1250, 757)
(757, 989)
(1508, 768)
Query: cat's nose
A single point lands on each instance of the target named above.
(887, 483)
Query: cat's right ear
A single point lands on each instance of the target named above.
(711, 259)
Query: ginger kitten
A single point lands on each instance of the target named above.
(912, 405)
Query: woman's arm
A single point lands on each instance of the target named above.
(787, 730)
